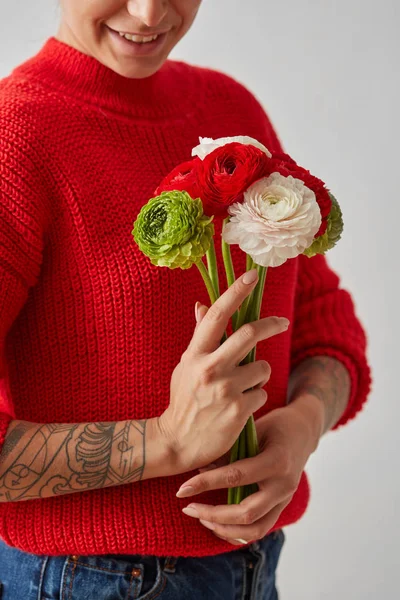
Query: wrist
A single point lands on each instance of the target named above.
(312, 411)
(164, 458)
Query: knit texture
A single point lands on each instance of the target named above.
(90, 330)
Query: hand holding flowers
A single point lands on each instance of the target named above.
(287, 437)
(211, 397)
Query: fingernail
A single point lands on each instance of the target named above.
(250, 276)
(207, 524)
(186, 490)
(202, 311)
(240, 540)
(191, 512)
(283, 320)
(196, 310)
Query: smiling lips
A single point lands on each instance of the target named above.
(139, 38)
(137, 45)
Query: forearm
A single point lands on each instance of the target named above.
(41, 460)
(320, 386)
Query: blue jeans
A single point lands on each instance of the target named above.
(244, 574)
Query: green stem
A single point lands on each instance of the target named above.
(229, 270)
(207, 280)
(255, 306)
(254, 315)
(210, 288)
(250, 300)
(251, 438)
(253, 311)
(226, 255)
(250, 489)
(250, 445)
(212, 267)
(245, 306)
(249, 262)
(239, 491)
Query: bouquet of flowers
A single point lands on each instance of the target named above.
(271, 207)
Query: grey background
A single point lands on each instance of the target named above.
(327, 73)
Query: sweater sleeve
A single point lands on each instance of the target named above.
(23, 221)
(326, 323)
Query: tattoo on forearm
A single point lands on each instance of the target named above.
(327, 379)
(54, 459)
(13, 438)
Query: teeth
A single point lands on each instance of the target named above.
(138, 38)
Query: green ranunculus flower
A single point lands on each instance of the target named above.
(172, 230)
(332, 234)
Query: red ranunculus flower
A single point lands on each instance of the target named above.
(182, 178)
(226, 173)
(285, 165)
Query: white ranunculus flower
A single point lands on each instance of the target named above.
(208, 145)
(277, 220)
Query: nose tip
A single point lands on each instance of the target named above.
(150, 12)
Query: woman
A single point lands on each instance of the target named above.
(113, 397)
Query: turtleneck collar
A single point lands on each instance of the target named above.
(169, 91)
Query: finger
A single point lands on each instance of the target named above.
(252, 532)
(249, 511)
(239, 344)
(251, 401)
(241, 472)
(200, 313)
(208, 335)
(247, 376)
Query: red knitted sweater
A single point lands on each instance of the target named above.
(89, 329)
